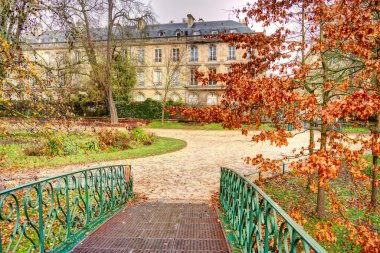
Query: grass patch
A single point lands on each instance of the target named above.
(194, 126)
(356, 130)
(16, 159)
(291, 194)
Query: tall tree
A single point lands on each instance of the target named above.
(297, 75)
(84, 21)
(173, 59)
(16, 17)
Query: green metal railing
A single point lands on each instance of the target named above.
(255, 223)
(52, 215)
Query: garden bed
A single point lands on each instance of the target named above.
(50, 149)
(291, 193)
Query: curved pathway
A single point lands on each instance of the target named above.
(193, 172)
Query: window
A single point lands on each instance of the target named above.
(140, 55)
(248, 55)
(214, 32)
(231, 53)
(140, 78)
(76, 80)
(175, 97)
(60, 58)
(157, 75)
(176, 77)
(196, 33)
(193, 99)
(61, 79)
(212, 82)
(233, 31)
(175, 54)
(47, 58)
(48, 77)
(193, 78)
(157, 97)
(193, 54)
(140, 97)
(212, 53)
(178, 33)
(158, 55)
(77, 56)
(212, 99)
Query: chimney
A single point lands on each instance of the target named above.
(190, 20)
(141, 24)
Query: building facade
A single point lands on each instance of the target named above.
(166, 57)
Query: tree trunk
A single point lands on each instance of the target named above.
(109, 62)
(321, 205)
(374, 170)
(320, 201)
(311, 146)
(163, 113)
(111, 106)
(374, 181)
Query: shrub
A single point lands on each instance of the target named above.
(139, 135)
(55, 146)
(37, 149)
(70, 148)
(91, 145)
(149, 109)
(108, 138)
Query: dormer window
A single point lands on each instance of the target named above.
(196, 33)
(214, 32)
(161, 33)
(233, 31)
(178, 33)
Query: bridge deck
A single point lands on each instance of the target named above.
(158, 227)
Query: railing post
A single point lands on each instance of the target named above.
(68, 214)
(86, 195)
(40, 219)
(101, 192)
(112, 188)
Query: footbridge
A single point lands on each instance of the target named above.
(95, 210)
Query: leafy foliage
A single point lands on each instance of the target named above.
(138, 134)
(149, 109)
(323, 69)
(123, 78)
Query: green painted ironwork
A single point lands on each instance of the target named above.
(54, 214)
(255, 223)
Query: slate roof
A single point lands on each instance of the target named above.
(155, 31)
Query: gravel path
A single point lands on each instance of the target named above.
(193, 172)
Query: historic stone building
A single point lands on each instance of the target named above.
(166, 57)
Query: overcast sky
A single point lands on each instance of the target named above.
(209, 10)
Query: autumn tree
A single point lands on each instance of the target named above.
(297, 75)
(16, 17)
(83, 20)
(355, 28)
(22, 85)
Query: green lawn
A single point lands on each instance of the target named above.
(16, 159)
(290, 193)
(194, 126)
(355, 130)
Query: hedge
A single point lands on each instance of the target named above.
(149, 109)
